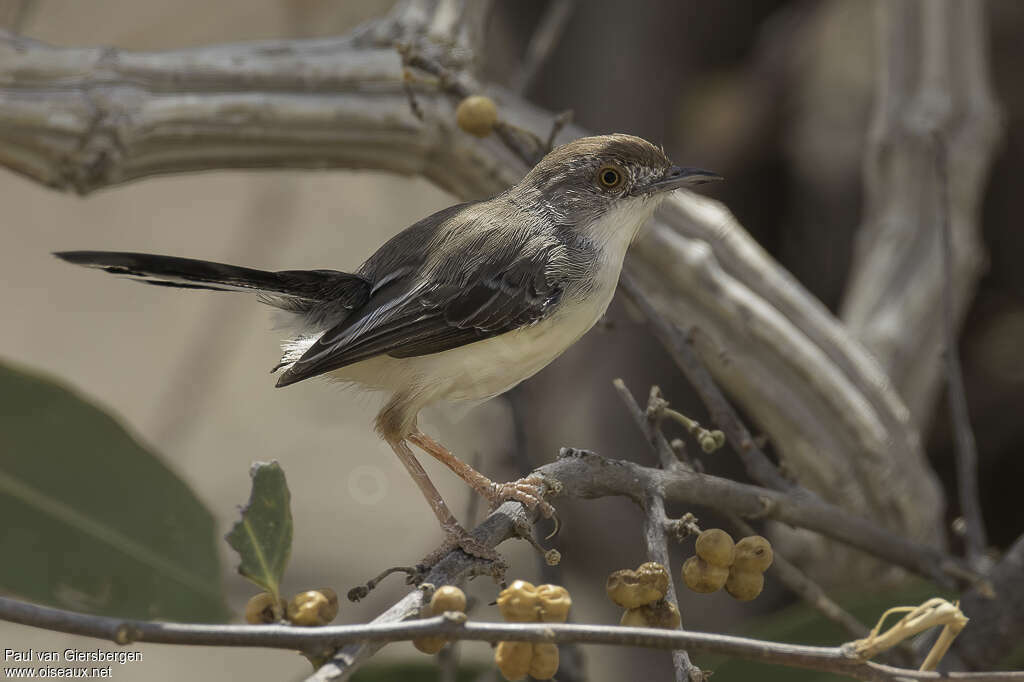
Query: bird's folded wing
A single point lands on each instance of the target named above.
(408, 317)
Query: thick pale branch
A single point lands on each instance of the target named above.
(932, 77)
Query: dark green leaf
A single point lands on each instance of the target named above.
(92, 521)
(263, 537)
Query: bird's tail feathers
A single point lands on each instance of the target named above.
(291, 290)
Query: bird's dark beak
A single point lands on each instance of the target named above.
(676, 177)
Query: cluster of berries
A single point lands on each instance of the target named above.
(642, 593)
(521, 602)
(739, 567)
(308, 609)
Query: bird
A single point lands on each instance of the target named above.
(464, 304)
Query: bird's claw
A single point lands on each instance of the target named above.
(527, 491)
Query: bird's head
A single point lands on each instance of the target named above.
(584, 180)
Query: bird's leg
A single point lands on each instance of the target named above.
(529, 491)
(455, 534)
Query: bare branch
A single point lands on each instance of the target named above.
(965, 447)
(757, 464)
(655, 519)
(827, 659)
(932, 76)
(997, 625)
(543, 42)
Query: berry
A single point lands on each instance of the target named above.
(477, 115)
(753, 553)
(716, 547)
(700, 576)
(744, 585)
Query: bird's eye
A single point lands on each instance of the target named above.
(610, 177)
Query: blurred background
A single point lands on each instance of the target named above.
(775, 95)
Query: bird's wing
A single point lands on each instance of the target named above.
(458, 304)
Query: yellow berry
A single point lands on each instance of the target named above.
(332, 601)
(518, 602)
(429, 645)
(700, 576)
(753, 553)
(477, 115)
(634, 618)
(544, 663)
(513, 659)
(716, 547)
(310, 608)
(447, 598)
(261, 609)
(631, 589)
(554, 604)
(660, 614)
(744, 585)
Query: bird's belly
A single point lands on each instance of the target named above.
(486, 368)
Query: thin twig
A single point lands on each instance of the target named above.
(655, 518)
(657, 550)
(757, 464)
(654, 437)
(826, 659)
(543, 42)
(966, 448)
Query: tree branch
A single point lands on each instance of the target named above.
(965, 447)
(932, 77)
(826, 659)
(579, 474)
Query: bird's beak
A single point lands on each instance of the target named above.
(676, 177)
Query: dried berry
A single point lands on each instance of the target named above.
(513, 659)
(310, 609)
(716, 547)
(429, 645)
(332, 601)
(753, 553)
(261, 609)
(518, 602)
(660, 614)
(631, 589)
(477, 115)
(554, 603)
(634, 618)
(700, 576)
(744, 585)
(447, 598)
(544, 663)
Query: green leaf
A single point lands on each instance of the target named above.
(93, 521)
(263, 537)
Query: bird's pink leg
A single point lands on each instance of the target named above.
(455, 534)
(529, 491)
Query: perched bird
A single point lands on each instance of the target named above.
(462, 305)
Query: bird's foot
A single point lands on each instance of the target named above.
(528, 491)
(457, 537)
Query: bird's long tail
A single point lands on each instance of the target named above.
(293, 290)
